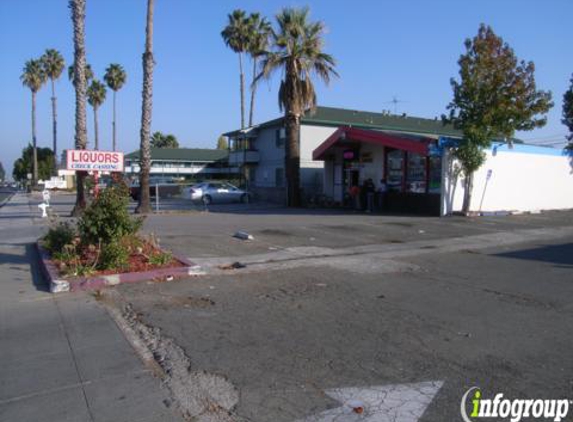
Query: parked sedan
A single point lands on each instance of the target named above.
(209, 192)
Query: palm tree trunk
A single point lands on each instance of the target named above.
(78, 18)
(34, 143)
(114, 124)
(253, 90)
(146, 109)
(54, 129)
(292, 159)
(242, 85)
(96, 132)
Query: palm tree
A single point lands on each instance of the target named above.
(115, 78)
(89, 73)
(33, 77)
(54, 65)
(260, 31)
(96, 96)
(236, 36)
(159, 140)
(78, 8)
(298, 54)
(146, 108)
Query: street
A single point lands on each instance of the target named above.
(328, 308)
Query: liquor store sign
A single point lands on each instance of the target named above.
(88, 160)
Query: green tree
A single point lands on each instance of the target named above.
(144, 206)
(96, 96)
(24, 164)
(159, 140)
(33, 77)
(78, 9)
(115, 78)
(236, 36)
(222, 143)
(89, 73)
(54, 65)
(298, 54)
(2, 172)
(259, 36)
(495, 96)
(568, 113)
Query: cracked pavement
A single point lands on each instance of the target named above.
(493, 313)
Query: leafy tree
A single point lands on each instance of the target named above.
(222, 143)
(96, 96)
(298, 55)
(568, 113)
(53, 64)
(89, 73)
(159, 140)
(78, 8)
(495, 96)
(236, 36)
(144, 206)
(33, 77)
(259, 36)
(115, 78)
(2, 172)
(24, 164)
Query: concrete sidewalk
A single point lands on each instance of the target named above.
(63, 358)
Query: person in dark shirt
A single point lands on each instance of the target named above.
(369, 189)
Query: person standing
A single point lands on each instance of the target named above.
(369, 189)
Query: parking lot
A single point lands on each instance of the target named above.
(331, 300)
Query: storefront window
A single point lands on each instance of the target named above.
(416, 175)
(394, 172)
(435, 174)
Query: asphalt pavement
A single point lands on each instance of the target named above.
(497, 318)
(331, 315)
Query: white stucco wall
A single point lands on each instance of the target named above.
(375, 169)
(525, 178)
(311, 172)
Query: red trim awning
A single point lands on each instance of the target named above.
(391, 140)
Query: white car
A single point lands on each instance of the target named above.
(209, 192)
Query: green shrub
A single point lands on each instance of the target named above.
(160, 258)
(107, 218)
(114, 255)
(59, 236)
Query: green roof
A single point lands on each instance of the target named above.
(330, 116)
(184, 154)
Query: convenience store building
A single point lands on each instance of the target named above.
(341, 148)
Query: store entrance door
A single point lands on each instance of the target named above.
(351, 178)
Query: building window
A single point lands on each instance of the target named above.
(416, 173)
(279, 177)
(394, 172)
(280, 138)
(435, 174)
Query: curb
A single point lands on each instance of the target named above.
(74, 284)
(5, 201)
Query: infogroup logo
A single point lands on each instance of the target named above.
(513, 409)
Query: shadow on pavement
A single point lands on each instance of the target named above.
(33, 259)
(561, 255)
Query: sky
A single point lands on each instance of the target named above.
(384, 49)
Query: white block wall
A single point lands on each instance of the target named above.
(524, 178)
